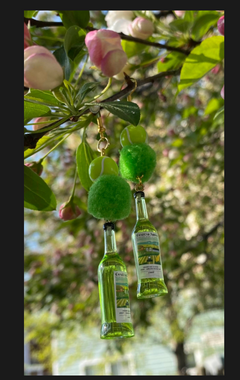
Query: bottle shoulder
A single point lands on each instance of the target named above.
(143, 226)
(111, 260)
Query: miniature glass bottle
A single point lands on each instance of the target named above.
(147, 254)
(113, 290)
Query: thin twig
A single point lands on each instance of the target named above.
(154, 44)
(30, 140)
(41, 24)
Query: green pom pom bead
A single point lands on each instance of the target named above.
(133, 135)
(102, 165)
(137, 160)
(110, 198)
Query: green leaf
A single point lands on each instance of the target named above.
(177, 143)
(30, 14)
(181, 25)
(146, 14)
(84, 157)
(33, 110)
(132, 48)
(212, 106)
(42, 96)
(171, 61)
(201, 59)
(79, 18)
(219, 112)
(37, 194)
(163, 29)
(85, 89)
(62, 57)
(43, 140)
(127, 111)
(189, 16)
(74, 41)
(146, 63)
(202, 13)
(47, 139)
(80, 56)
(189, 111)
(203, 23)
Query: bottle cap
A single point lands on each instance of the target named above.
(139, 192)
(108, 224)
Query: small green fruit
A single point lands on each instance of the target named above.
(133, 135)
(102, 165)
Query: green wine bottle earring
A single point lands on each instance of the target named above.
(113, 290)
(137, 162)
(147, 255)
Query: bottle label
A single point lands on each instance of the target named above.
(122, 303)
(148, 250)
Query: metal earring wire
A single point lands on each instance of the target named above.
(103, 138)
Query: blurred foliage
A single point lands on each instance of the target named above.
(185, 200)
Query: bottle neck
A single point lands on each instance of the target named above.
(141, 209)
(109, 241)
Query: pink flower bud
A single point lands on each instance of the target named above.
(179, 13)
(27, 36)
(216, 69)
(69, 212)
(126, 69)
(222, 92)
(41, 69)
(141, 28)
(105, 51)
(35, 166)
(39, 126)
(165, 152)
(220, 25)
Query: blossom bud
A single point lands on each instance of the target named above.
(41, 69)
(126, 69)
(39, 126)
(121, 26)
(216, 69)
(113, 16)
(141, 28)
(35, 166)
(179, 13)
(27, 36)
(71, 211)
(105, 51)
(220, 25)
(222, 92)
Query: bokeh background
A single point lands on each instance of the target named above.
(181, 333)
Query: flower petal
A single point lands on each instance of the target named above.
(113, 62)
(42, 72)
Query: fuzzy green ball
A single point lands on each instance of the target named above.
(137, 160)
(110, 198)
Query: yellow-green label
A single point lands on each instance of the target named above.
(148, 251)
(122, 303)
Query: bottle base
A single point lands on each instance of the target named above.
(151, 289)
(116, 330)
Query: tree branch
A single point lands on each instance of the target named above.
(30, 140)
(154, 44)
(41, 24)
(126, 91)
